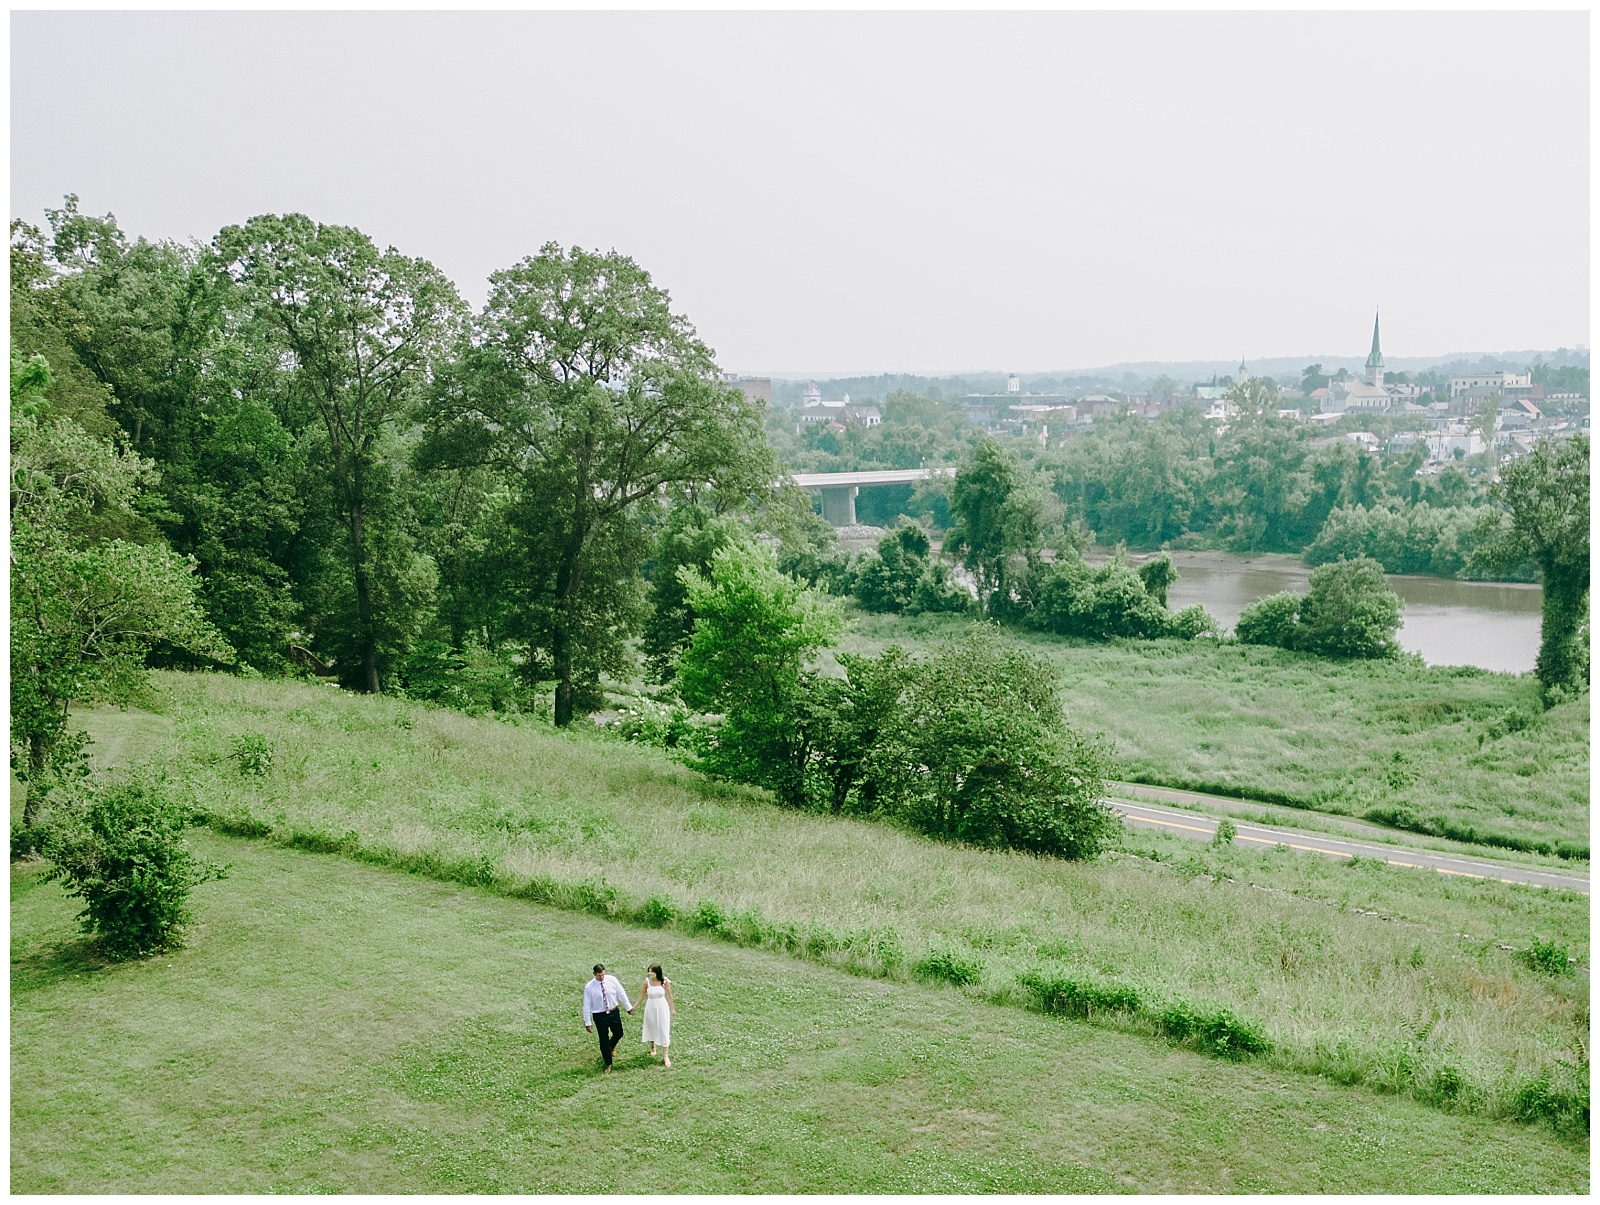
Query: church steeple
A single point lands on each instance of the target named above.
(1375, 360)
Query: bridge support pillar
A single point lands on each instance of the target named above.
(839, 504)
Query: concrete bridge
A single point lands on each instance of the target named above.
(839, 490)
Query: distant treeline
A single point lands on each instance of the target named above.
(1257, 485)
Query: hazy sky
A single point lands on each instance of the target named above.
(847, 192)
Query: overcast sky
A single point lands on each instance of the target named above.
(880, 192)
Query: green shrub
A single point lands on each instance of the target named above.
(253, 754)
(1192, 623)
(754, 632)
(657, 912)
(709, 917)
(1446, 1086)
(25, 842)
(1546, 957)
(1350, 611)
(949, 967)
(1270, 621)
(118, 846)
(937, 591)
(887, 579)
(1097, 604)
(665, 725)
(1226, 832)
(1216, 1031)
(1080, 997)
(1566, 1110)
(473, 679)
(978, 751)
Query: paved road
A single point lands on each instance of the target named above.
(1203, 828)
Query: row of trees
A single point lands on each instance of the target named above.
(357, 464)
(1257, 486)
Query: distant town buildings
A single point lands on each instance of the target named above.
(1371, 392)
(1491, 382)
(757, 389)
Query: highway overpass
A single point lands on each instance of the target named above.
(838, 490)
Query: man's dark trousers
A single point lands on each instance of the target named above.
(609, 1027)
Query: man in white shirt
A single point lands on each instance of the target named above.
(602, 996)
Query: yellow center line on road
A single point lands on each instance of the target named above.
(1334, 853)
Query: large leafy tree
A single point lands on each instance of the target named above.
(595, 402)
(1001, 516)
(361, 333)
(86, 607)
(196, 386)
(1546, 496)
(755, 632)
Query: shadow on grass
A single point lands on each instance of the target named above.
(48, 965)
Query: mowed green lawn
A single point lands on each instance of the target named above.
(1458, 751)
(338, 1027)
(1401, 980)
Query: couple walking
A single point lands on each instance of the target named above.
(604, 998)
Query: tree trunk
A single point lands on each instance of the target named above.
(369, 639)
(1559, 663)
(37, 753)
(561, 655)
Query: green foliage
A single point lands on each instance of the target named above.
(253, 754)
(362, 332)
(1273, 620)
(1226, 832)
(1217, 1031)
(901, 576)
(947, 966)
(1080, 997)
(591, 399)
(1158, 574)
(85, 609)
(1548, 957)
(1001, 516)
(692, 535)
(1546, 495)
(1350, 611)
(1108, 601)
(119, 847)
(755, 630)
(1408, 539)
(888, 579)
(1192, 623)
(666, 725)
(978, 751)
(473, 679)
(938, 592)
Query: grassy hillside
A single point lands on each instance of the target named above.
(1458, 751)
(1365, 973)
(338, 1028)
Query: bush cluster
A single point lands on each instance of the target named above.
(1216, 1031)
(1075, 599)
(118, 845)
(968, 744)
(900, 577)
(1409, 539)
(472, 679)
(1349, 612)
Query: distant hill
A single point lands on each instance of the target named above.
(1135, 375)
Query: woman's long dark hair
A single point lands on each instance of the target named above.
(655, 969)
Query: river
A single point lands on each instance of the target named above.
(1493, 625)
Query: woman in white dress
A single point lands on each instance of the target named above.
(658, 1012)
